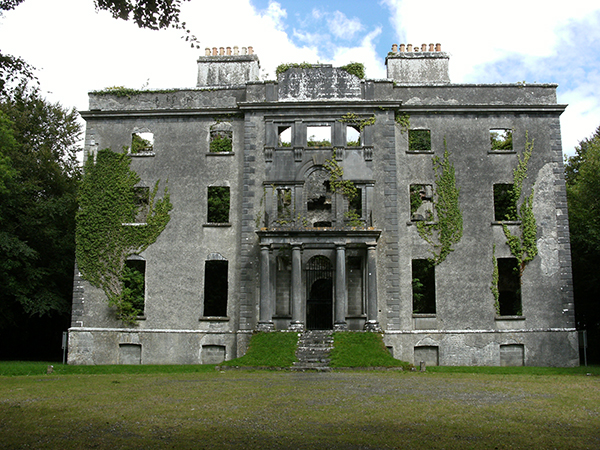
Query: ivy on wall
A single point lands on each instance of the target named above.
(355, 121)
(523, 247)
(356, 69)
(495, 278)
(107, 201)
(448, 229)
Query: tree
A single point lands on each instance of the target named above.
(38, 183)
(582, 173)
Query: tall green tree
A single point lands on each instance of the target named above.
(582, 173)
(39, 174)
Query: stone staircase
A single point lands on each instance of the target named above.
(313, 351)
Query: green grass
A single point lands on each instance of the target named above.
(283, 410)
(268, 350)
(31, 368)
(362, 350)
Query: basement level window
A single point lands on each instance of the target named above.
(142, 143)
(505, 203)
(218, 204)
(419, 140)
(501, 139)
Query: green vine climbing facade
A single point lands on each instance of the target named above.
(447, 229)
(105, 234)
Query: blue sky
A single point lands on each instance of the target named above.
(77, 49)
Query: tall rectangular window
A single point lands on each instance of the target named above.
(284, 204)
(218, 204)
(134, 284)
(421, 202)
(509, 287)
(505, 204)
(423, 284)
(215, 288)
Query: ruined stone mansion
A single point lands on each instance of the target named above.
(302, 202)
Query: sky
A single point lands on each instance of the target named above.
(77, 49)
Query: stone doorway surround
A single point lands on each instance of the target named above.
(334, 241)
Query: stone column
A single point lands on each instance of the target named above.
(297, 316)
(341, 292)
(265, 321)
(372, 324)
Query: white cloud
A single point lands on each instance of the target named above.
(343, 27)
(365, 53)
(582, 116)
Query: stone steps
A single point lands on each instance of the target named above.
(313, 351)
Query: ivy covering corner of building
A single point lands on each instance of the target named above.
(107, 203)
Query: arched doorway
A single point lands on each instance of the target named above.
(319, 284)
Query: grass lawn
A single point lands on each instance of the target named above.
(196, 409)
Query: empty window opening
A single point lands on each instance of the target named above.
(512, 355)
(221, 138)
(141, 196)
(284, 204)
(429, 354)
(142, 142)
(352, 137)
(284, 136)
(509, 287)
(318, 136)
(355, 203)
(423, 286)
(505, 203)
(501, 139)
(215, 288)
(133, 279)
(218, 204)
(421, 202)
(322, 200)
(419, 140)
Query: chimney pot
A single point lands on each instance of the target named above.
(228, 50)
(221, 51)
(250, 50)
(402, 48)
(207, 51)
(244, 51)
(430, 47)
(409, 48)
(214, 51)
(394, 48)
(438, 47)
(236, 50)
(423, 47)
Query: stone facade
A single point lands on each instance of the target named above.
(291, 256)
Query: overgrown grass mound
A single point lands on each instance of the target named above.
(362, 350)
(268, 350)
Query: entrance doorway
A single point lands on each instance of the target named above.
(319, 303)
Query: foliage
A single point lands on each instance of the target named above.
(360, 349)
(403, 120)
(524, 247)
(495, 279)
(281, 68)
(38, 183)
(501, 140)
(355, 121)
(122, 91)
(218, 204)
(107, 201)
(337, 183)
(582, 173)
(419, 140)
(220, 143)
(139, 144)
(356, 69)
(448, 229)
(276, 349)
(133, 281)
